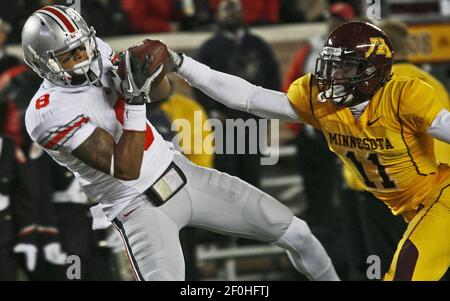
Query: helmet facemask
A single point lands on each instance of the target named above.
(341, 75)
(87, 72)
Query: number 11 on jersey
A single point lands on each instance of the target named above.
(373, 159)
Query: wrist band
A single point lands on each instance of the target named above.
(111, 168)
(134, 118)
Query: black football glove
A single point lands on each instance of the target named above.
(138, 79)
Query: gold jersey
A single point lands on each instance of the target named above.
(387, 148)
(442, 149)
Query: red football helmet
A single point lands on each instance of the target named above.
(355, 62)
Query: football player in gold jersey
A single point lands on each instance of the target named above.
(385, 142)
(381, 127)
(386, 226)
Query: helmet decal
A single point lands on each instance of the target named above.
(381, 48)
(331, 51)
(60, 17)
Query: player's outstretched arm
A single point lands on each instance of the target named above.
(233, 91)
(122, 161)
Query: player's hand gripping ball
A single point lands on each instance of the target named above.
(146, 57)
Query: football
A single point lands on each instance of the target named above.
(159, 53)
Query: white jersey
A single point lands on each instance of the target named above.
(60, 119)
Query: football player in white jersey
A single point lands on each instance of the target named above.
(93, 123)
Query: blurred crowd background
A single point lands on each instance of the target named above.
(44, 217)
(123, 17)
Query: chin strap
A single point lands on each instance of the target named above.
(82, 68)
(337, 94)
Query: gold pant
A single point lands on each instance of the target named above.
(424, 251)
